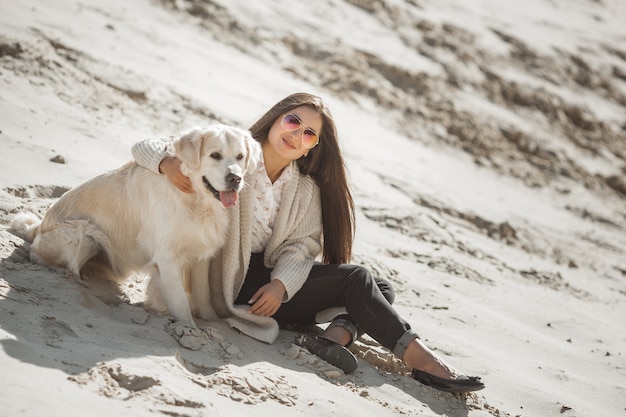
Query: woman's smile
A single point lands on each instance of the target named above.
(289, 143)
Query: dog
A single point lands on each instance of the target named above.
(136, 220)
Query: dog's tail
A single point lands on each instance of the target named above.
(26, 225)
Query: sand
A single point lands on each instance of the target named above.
(486, 145)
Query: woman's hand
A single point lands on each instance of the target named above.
(267, 300)
(170, 166)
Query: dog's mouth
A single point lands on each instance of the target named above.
(227, 198)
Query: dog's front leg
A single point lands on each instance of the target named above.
(168, 280)
(154, 303)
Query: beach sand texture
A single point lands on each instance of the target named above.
(486, 146)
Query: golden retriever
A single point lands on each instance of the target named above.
(138, 220)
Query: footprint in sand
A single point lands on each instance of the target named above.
(113, 381)
(252, 385)
(209, 340)
(56, 331)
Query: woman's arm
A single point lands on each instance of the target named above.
(296, 239)
(150, 152)
(154, 154)
(293, 247)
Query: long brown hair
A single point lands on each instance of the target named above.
(326, 166)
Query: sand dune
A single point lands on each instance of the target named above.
(486, 144)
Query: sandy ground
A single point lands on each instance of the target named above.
(486, 143)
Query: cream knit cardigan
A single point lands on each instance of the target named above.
(291, 250)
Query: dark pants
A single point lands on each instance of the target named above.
(366, 299)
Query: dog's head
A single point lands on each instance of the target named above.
(216, 160)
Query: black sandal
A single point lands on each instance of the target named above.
(333, 353)
(463, 383)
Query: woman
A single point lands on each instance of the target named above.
(298, 205)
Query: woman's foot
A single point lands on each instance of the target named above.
(461, 383)
(329, 351)
(419, 356)
(431, 370)
(338, 335)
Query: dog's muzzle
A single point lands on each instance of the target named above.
(227, 198)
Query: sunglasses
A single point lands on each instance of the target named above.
(291, 122)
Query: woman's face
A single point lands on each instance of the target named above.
(288, 144)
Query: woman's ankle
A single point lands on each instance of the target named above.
(338, 335)
(419, 356)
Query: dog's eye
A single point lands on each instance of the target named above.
(217, 156)
(240, 157)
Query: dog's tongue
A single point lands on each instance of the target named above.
(228, 198)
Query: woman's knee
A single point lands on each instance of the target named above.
(362, 277)
(387, 289)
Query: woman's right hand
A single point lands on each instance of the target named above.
(170, 167)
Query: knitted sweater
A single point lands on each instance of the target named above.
(291, 251)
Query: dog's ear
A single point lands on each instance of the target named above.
(188, 146)
(254, 153)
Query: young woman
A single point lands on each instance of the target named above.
(298, 205)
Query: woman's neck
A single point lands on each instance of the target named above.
(274, 165)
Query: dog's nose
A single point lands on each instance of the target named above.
(233, 180)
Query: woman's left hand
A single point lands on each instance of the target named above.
(267, 300)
